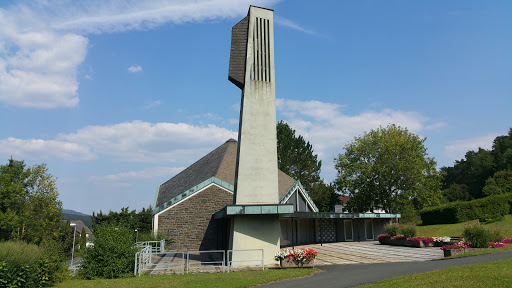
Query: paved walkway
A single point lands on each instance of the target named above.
(341, 276)
(328, 254)
(370, 252)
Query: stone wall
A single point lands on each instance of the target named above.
(190, 224)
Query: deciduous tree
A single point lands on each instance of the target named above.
(29, 205)
(386, 167)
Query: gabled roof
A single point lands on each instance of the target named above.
(79, 225)
(221, 164)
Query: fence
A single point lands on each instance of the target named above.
(202, 260)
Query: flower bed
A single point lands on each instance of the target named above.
(295, 258)
(497, 244)
(418, 241)
(453, 249)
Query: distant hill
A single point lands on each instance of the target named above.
(69, 211)
(87, 219)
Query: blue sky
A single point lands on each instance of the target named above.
(116, 97)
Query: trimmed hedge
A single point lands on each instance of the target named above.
(457, 212)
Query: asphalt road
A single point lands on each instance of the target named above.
(353, 275)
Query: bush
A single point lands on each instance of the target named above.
(457, 212)
(479, 237)
(26, 265)
(112, 255)
(491, 218)
(408, 231)
(392, 229)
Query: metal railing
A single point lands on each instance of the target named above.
(222, 262)
(156, 246)
(142, 259)
(196, 259)
(261, 261)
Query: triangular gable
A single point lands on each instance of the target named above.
(297, 187)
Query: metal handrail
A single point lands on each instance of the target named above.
(247, 250)
(211, 262)
(142, 259)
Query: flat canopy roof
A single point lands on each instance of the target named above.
(267, 209)
(286, 211)
(330, 215)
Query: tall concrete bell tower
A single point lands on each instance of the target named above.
(251, 68)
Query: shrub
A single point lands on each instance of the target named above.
(479, 237)
(26, 265)
(392, 229)
(491, 218)
(112, 255)
(408, 231)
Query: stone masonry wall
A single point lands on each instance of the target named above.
(190, 223)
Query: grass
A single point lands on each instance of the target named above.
(485, 274)
(456, 229)
(203, 280)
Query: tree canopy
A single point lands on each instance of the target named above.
(387, 168)
(295, 157)
(29, 205)
(474, 171)
(133, 220)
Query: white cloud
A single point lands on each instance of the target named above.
(153, 172)
(329, 129)
(99, 16)
(290, 24)
(146, 142)
(457, 149)
(135, 69)
(36, 149)
(153, 104)
(42, 43)
(134, 141)
(38, 68)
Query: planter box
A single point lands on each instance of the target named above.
(289, 263)
(420, 244)
(441, 244)
(385, 241)
(404, 242)
(451, 252)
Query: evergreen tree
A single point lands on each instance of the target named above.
(83, 239)
(295, 157)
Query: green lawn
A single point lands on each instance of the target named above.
(456, 229)
(203, 280)
(485, 274)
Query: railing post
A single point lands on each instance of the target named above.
(188, 253)
(135, 267)
(229, 263)
(262, 259)
(223, 261)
